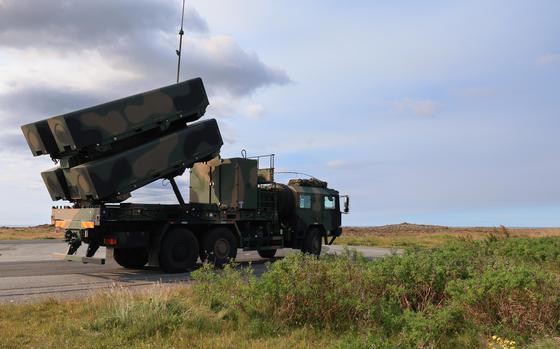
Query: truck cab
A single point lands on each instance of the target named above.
(319, 207)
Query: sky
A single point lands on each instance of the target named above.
(435, 112)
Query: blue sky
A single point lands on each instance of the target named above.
(430, 112)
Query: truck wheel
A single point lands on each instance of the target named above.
(131, 257)
(179, 251)
(220, 246)
(267, 253)
(312, 243)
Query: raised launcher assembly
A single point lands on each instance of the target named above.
(109, 150)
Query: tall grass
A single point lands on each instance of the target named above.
(154, 311)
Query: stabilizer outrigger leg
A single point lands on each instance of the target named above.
(326, 241)
(92, 248)
(177, 192)
(73, 246)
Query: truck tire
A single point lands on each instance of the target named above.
(267, 253)
(179, 251)
(312, 243)
(220, 246)
(131, 257)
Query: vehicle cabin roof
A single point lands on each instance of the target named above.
(314, 190)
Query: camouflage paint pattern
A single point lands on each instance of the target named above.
(230, 183)
(75, 218)
(117, 120)
(308, 182)
(204, 181)
(136, 167)
(265, 175)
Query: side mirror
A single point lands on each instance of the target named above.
(346, 204)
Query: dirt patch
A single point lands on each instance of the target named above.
(421, 235)
(415, 229)
(44, 231)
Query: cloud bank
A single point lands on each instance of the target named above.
(59, 56)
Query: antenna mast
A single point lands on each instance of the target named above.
(172, 179)
(181, 32)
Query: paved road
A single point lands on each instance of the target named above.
(30, 270)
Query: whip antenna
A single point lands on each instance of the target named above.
(181, 32)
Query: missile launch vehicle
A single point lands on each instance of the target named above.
(105, 152)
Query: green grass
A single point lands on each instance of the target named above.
(159, 317)
(455, 296)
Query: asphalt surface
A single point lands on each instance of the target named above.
(32, 269)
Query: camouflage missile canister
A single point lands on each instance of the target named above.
(107, 151)
(117, 120)
(126, 117)
(56, 184)
(126, 171)
(40, 139)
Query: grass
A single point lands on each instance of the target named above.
(456, 296)
(407, 235)
(29, 233)
(158, 317)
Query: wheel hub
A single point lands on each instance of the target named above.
(221, 248)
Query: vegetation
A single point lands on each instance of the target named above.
(161, 316)
(465, 294)
(29, 233)
(407, 235)
(456, 296)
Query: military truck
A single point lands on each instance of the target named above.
(105, 152)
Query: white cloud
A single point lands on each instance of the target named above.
(84, 70)
(418, 107)
(223, 107)
(254, 111)
(229, 68)
(549, 58)
(336, 164)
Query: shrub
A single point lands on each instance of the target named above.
(520, 298)
(541, 250)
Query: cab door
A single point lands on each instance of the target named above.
(330, 212)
